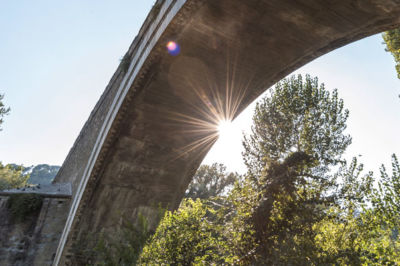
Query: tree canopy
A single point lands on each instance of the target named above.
(392, 40)
(297, 136)
(210, 181)
(12, 176)
(3, 110)
(298, 116)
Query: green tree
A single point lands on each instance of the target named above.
(188, 236)
(363, 227)
(297, 116)
(3, 110)
(386, 198)
(392, 40)
(12, 176)
(297, 136)
(383, 219)
(210, 181)
(340, 234)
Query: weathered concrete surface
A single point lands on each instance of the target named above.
(138, 147)
(34, 240)
(57, 190)
(48, 229)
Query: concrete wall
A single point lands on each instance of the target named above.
(34, 240)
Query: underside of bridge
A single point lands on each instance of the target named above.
(157, 118)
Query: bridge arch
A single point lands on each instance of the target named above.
(157, 118)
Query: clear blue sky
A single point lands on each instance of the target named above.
(56, 58)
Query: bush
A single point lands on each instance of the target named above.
(23, 205)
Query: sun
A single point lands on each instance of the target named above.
(225, 128)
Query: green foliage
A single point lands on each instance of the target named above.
(187, 237)
(383, 219)
(298, 116)
(210, 181)
(126, 247)
(354, 232)
(297, 136)
(386, 199)
(3, 110)
(339, 233)
(287, 208)
(17, 176)
(11, 176)
(355, 187)
(392, 40)
(237, 214)
(23, 205)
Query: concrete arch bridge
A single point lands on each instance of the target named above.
(156, 120)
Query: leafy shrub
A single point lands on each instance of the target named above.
(24, 205)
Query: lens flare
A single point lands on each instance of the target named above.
(173, 48)
(225, 128)
(213, 106)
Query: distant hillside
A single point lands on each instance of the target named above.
(41, 173)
